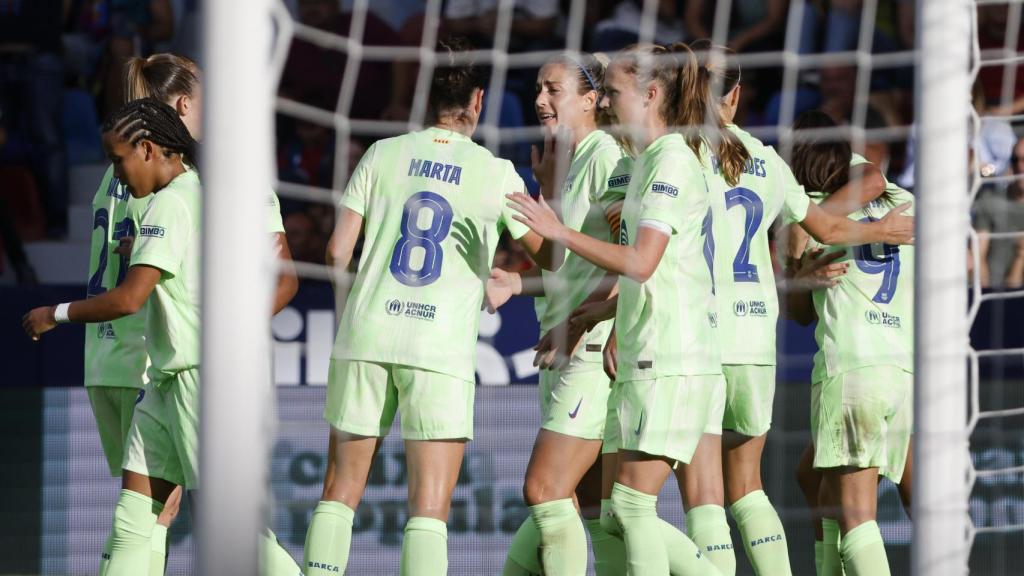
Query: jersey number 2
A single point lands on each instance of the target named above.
(742, 269)
(888, 265)
(429, 239)
(123, 228)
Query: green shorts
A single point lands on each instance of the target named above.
(749, 393)
(612, 431)
(574, 401)
(863, 419)
(164, 437)
(667, 416)
(113, 406)
(363, 397)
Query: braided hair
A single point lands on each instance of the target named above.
(150, 119)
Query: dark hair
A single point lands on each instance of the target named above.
(688, 103)
(161, 76)
(150, 119)
(820, 164)
(453, 82)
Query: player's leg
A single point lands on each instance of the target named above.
(361, 404)
(906, 483)
(861, 547)
(700, 483)
(809, 481)
(750, 391)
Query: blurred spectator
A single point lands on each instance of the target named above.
(534, 22)
(996, 213)
(622, 28)
(305, 240)
(316, 73)
(306, 155)
(134, 27)
(31, 97)
(754, 25)
(993, 26)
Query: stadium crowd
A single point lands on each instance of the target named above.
(60, 66)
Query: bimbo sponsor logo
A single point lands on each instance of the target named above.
(666, 189)
(152, 231)
(618, 181)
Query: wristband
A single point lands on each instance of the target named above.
(60, 313)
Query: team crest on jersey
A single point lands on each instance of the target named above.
(152, 231)
(666, 189)
(105, 331)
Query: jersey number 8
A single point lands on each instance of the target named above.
(429, 239)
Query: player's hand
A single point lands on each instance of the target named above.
(813, 271)
(537, 215)
(556, 347)
(610, 356)
(899, 229)
(124, 247)
(590, 314)
(550, 168)
(500, 286)
(38, 321)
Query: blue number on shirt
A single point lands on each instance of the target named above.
(888, 265)
(100, 220)
(429, 239)
(123, 228)
(709, 247)
(742, 269)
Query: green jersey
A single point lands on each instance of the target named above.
(597, 181)
(115, 352)
(666, 326)
(867, 319)
(744, 275)
(275, 224)
(169, 240)
(433, 206)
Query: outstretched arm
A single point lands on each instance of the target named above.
(124, 300)
(287, 280)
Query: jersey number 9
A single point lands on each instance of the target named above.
(428, 239)
(887, 264)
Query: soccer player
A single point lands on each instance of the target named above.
(862, 381)
(432, 204)
(669, 368)
(574, 389)
(742, 214)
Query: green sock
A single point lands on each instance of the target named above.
(764, 539)
(638, 514)
(274, 559)
(105, 556)
(708, 528)
(684, 557)
(608, 521)
(328, 539)
(831, 561)
(864, 552)
(609, 551)
(819, 550)
(523, 554)
(158, 550)
(424, 548)
(132, 536)
(563, 541)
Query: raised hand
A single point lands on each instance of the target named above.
(537, 215)
(813, 271)
(550, 168)
(500, 286)
(590, 314)
(899, 229)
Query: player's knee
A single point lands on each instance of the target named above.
(340, 491)
(538, 489)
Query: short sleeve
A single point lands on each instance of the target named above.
(275, 225)
(164, 234)
(671, 178)
(515, 184)
(794, 199)
(610, 175)
(357, 191)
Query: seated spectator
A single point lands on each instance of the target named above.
(313, 72)
(305, 240)
(1001, 259)
(306, 155)
(754, 25)
(622, 28)
(534, 23)
(132, 24)
(993, 26)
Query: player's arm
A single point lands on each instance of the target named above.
(287, 279)
(343, 241)
(637, 262)
(893, 228)
(866, 184)
(1015, 275)
(124, 300)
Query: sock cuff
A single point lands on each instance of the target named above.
(427, 525)
(555, 511)
(830, 525)
(622, 494)
(133, 498)
(335, 508)
(749, 504)
(866, 534)
(706, 514)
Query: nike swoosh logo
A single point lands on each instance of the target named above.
(640, 424)
(576, 410)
